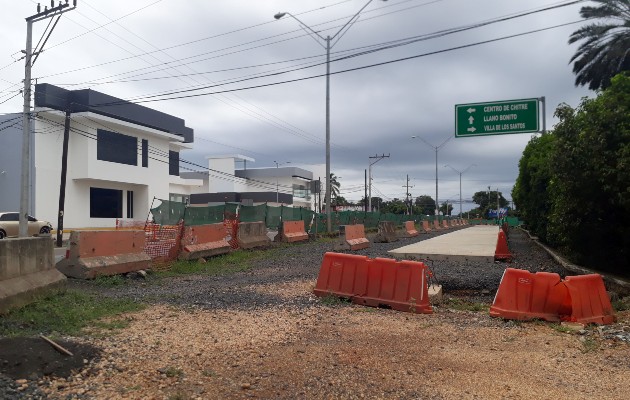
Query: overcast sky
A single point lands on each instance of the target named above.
(136, 49)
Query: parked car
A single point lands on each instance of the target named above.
(10, 225)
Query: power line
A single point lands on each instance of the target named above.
(348, 70)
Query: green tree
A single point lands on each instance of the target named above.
(425, 205)
(488, 200)
(334, 187)
(340, 201)
(590, 212)
(394, 206)
(446, 208)
(604, 51)
(530, 193)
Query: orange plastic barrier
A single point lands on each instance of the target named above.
(445, 224)
(589, 300)
(379, 282)
(502, 252)
(426, 227)
(93, 253)
(204, 241)
(409, 230)
(436, 225)
(523, 295)
(291, 231)
(352, 237)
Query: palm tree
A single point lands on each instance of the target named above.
(606, 50)
(334, 187)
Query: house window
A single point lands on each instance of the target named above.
(129, 203)
(145, 153)
(105, 203)
(173, 163)
(116, 147)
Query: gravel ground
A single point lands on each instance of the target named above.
(301, 262)
(262, 334)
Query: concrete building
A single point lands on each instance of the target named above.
(120, 156)
(225, 182)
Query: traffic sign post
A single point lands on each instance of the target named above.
(497, 118)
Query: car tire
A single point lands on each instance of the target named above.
(44, 231)
(3, 234)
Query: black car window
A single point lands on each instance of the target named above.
(10, 217)
(31, 219)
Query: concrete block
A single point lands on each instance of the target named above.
(26, 271)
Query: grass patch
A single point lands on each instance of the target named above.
(65, 313)
(109, 281)
(332, 300)
(621, 304)
(589, 345)
(561, 328)
(465, 305)
(235, 261)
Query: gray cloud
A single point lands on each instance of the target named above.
(374, 110)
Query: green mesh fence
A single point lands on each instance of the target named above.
(272, 220)
(252, 213)
(388, 217)
(513, 221)
(321, 222)
(204, 215)
(291, 213)
(371, 219)
(168, 212)
(357, 217)
(343, 218)
(307, 217)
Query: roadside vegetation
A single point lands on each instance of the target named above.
(572, 189)
(67, 313)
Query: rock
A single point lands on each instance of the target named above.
(246, 386)
(21, 381)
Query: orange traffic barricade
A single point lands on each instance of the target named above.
(379, 282)
(352, 237)
(202, 241)
(291, 231)
(426, 227)
(589, 301)
(502, 252)
(523, 295)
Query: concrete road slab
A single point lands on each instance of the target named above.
(477, 243)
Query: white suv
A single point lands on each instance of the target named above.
(9, 225)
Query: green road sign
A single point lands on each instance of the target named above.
(496, 118)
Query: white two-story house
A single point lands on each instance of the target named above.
(120, 157)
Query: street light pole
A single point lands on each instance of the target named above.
(436, 148)
(328, 45)
(278, 173)
(460, 183)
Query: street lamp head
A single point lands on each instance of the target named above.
(280, 15)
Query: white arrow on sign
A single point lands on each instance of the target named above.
(471, 129)
(471, 120)
(471, 110)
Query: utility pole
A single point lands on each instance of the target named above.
(408, 195)
(376, 159)
(365, 204)
(26, 116)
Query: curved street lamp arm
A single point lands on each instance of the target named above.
(302, 25)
